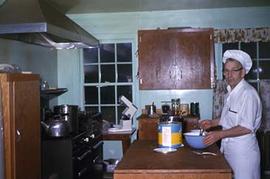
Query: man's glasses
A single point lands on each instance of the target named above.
(226, 71)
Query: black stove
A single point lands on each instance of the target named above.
(78, 156)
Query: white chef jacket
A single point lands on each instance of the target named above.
(242, 107)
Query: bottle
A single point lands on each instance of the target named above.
(176, 106)
(195, 109)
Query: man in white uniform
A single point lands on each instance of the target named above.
(240, 118)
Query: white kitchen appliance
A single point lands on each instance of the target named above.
(127, 115)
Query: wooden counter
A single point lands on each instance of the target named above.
(141, 162)
(124, 137)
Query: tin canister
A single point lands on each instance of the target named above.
(170, 134)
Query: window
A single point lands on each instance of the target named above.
(260, 55)
(107, 76)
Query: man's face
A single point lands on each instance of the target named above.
(233, 72)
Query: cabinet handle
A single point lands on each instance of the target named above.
(18, 135)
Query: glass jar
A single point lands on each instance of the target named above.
(176, 106)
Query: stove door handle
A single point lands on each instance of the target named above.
(84, 155)
(82, 171)
(97, 145)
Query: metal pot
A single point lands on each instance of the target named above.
(171, 118)
(70, 114)
(56, 128)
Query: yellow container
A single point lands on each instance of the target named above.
(170, 134)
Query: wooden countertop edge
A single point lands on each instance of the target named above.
(152, 171)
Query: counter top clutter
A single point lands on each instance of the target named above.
(141, 161)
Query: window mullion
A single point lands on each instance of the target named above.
(116, 83)
(99, 81)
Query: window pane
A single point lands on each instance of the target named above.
(252, 74)
(264, 71)
(90, 55)
(229, 46)
(250, 48)
(125, 91)
(91, 95)
(91, 74)
(108, 114)
(124, 73)
(91, 110)
(107, 95)
(99, 68)
(107, 53)
(119, 112)
(107, 73)
(124, 52)
(264, 49)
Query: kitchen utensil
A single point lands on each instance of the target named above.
(195, 140)
(70, 114)
(204, 153)
(56, 127)
(202, 132)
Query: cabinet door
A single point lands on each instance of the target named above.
(26, 128)
(148, 128)
(176, 59)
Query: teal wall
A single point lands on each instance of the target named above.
(33, 58)
(37, 59)
(70, 71)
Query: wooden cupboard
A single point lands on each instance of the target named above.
(176, 58)
(20, 94)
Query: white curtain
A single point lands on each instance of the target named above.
(265, 97)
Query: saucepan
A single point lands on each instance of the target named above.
(70, 114)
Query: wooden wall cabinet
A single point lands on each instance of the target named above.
(176, 58)
(20, 96)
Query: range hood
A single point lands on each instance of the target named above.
(38, 22)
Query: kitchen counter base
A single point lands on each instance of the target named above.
(141, 162)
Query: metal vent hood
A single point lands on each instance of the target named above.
(38, 22)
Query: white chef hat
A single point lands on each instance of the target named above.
(240, 56)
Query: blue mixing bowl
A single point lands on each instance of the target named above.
(194, 140)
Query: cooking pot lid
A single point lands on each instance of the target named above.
(171, 118)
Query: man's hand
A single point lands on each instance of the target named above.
(205, 124)
(212, 137)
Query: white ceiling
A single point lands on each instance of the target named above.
(96, 6)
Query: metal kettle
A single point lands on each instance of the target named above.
(56, 127)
